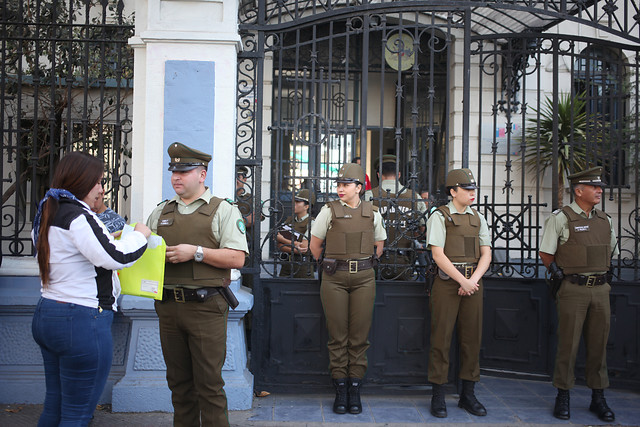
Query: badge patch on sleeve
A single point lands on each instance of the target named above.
(241, 226)
(580, 228)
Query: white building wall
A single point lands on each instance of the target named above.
(189, 31)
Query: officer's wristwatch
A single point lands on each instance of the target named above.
(199, 255)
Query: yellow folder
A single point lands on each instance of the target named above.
(145, 278)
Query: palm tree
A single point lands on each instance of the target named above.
(571, 123)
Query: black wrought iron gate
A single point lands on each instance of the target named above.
(478, 84)
(66, 75)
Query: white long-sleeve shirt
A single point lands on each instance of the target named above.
(83, 257)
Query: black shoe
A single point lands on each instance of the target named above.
(600, 407)
(340, 404)
(468, 400)
(355, 406)
(561, 410)
(438, 406)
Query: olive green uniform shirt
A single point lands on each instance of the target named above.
(224, 225)
(322, 224)
(437, 230)
(556, 232)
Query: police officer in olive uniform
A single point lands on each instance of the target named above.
(577, 246)
(354, 235)
(404, 218)
(205, 238)
(458, 237)
(293, 238)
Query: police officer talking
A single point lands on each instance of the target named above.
(354, 236)
(458, 237)
(577, 246)
(205, 238)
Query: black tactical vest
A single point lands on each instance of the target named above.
(351, 235)
(194, 229)
(588, 248)
(463, 236)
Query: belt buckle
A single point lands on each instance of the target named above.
(178, 295)
(468, 271)
(353, 266)
(591, 281)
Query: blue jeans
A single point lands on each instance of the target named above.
(77, 349)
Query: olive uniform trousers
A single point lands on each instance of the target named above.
(194, 344)
(347, 300)
(448, 309)
(582, 311)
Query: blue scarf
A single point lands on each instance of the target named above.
(56, 193)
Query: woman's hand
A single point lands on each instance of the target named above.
(143, 229)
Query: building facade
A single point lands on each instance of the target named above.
(522, 93)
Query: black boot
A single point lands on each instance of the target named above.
(340, 404)
(438, 407)
(600, 407)
(355, 406)
(561, 410)
(468, 399)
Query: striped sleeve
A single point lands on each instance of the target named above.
(94, 242)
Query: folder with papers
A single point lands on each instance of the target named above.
(145, 278)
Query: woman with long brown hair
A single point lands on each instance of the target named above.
(77, 257)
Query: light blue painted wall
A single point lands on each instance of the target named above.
(189, 96)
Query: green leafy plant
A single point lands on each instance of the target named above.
(572, 125)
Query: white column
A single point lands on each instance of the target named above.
(178, 30)
(174, 30)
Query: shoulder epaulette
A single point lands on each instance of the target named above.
(556, 212)
(231, 202)
(375, 208)
(165, 200)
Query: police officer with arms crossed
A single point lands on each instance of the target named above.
(399, 211)
(205, 238)
(458, 237)
(577, 246)
(354, 235)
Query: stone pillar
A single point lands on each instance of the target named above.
(185, 72)
(204, 31)
(144, 387)
(235, 372)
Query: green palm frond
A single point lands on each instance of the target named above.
(572, 130)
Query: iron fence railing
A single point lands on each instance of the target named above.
(66, 75)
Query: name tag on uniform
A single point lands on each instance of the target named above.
(165, 222)
(347, 216)
(580, 228)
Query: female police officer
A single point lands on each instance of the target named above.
(354, 235)
(459, 240)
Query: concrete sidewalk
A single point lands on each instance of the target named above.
(509, 402)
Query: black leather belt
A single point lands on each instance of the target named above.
(354, 265)
(588, 281)
(466, 269)
(187, 295)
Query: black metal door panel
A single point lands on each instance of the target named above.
(400, 334)
(516, 326)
